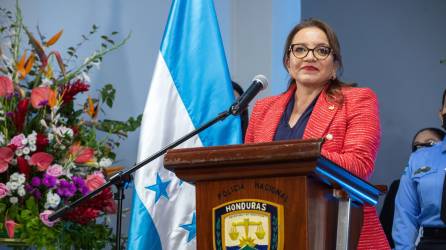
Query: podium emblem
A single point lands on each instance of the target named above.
(248, 224)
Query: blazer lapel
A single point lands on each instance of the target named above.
(275, 113)
(321, 117)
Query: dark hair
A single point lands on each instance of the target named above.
(438, 132)
(334, 90)
(244, 115)
(237, 88)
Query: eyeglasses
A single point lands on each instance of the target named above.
(427, 144)
(301, 51)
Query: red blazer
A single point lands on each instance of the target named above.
(352, 137)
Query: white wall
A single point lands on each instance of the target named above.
(259, 30)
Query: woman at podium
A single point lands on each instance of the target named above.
(318, 105)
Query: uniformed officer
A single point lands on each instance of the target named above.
(421, 198)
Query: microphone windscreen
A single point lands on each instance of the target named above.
(262, 79)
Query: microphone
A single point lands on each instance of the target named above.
(259, 82)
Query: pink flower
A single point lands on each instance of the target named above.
(6, 86)
(54, 170)
(82, 154)
(94, 181)
(44, 218)
(4, 190)
(10, 225)
(42, 96)
(6, 155)
(42, 160)
(18, 140)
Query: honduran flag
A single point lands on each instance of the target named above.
(190, 86)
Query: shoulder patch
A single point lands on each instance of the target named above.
(422, 170)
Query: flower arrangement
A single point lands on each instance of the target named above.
(50, 154)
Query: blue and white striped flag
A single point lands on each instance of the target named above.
(190, 86)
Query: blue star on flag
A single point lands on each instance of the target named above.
(160, 188)
(191, 228)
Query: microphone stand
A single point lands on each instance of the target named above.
(124, 176)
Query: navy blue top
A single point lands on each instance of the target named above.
(284, 131)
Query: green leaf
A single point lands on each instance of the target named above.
(31, 204)
(133, 124)
(119, 127)
(13, 211)
(25, 215)
(2, 208)
(108, 95)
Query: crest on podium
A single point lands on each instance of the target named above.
(248, 224)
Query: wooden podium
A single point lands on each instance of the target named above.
(278, 195)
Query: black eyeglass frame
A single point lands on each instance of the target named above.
(330, 50)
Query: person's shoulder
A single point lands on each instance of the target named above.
(427, 152)
(359, 96)
(268, 101)
(351, 91)
(423, 156)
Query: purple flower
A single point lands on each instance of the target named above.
(81, 185)
(35, 181)
(37, 194)
(11, 95)
(66, 189)
(78, 181)
(43, 103)
(49, 181)
(84, 190)
(28, 188)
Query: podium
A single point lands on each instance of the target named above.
(275, 195)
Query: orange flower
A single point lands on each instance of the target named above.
(42, 160)
(21, 64)
(54, 39)
(6, 86)
(42, 96)
(92, 109)
(82, 154)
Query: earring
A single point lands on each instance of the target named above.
(333, 77)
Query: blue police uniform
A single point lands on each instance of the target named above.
(419, 197)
